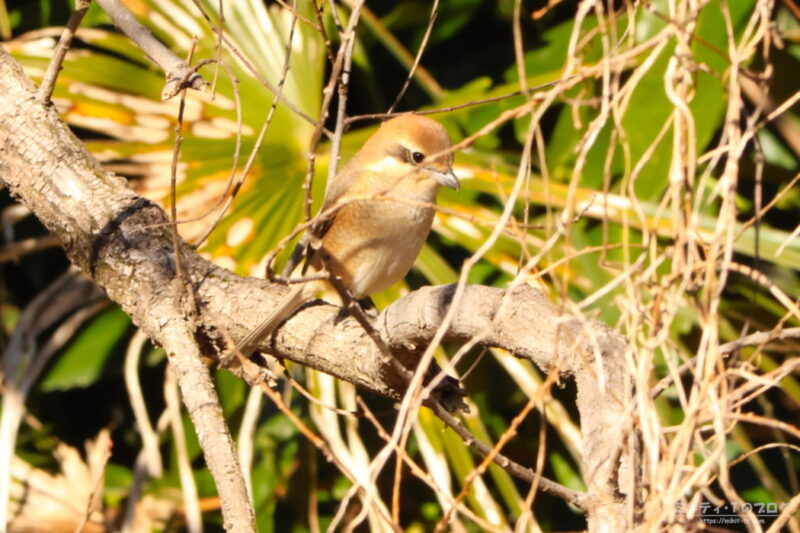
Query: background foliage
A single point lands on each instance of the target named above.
(598, 215)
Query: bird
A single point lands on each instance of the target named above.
(380, 209)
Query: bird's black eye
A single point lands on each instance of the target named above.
(417, 157)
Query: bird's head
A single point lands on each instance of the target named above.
(405, 146)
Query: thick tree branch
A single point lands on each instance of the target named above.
(123, 241)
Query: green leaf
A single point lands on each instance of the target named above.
(232, 392)
(82, 363)
(565, 473)
(118, 481)
(775, 152)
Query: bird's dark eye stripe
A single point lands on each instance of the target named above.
(411, 157)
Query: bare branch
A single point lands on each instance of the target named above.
(418, 57)
(178, 73)
(49, 79)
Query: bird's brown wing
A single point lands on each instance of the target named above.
(341, 183)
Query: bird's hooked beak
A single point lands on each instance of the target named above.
(448, 179)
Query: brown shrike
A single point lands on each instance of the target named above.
(381, 211)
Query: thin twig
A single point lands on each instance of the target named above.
(418, 57)
(342, 86)
(502, 441)
(760, 338)
(140, 477)
(255, 72)
(247, 431)
(178, 73)
(60, 52)
(92, 501)
(256, 146)
(405, 458)
(348, 40)
(224, 198)
(448, 109)
(317, 441)
(318, 12)
(424, 78)
(14, 251)
(191, 502)
(150, 454)
(181, 274)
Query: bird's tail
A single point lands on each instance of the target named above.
(285, 308)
